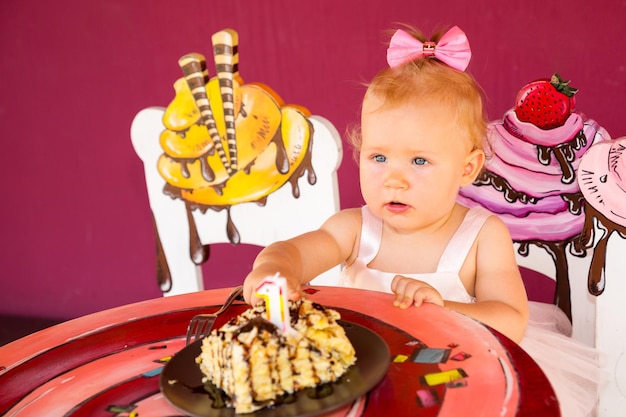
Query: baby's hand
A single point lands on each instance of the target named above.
(254, 279)
(410, 291)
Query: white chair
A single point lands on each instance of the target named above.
(610, 329)
(232, 153)
(583, 304)
(282, 217)
(528, 161)
(598, 321)
(598, 279)
(603, 184)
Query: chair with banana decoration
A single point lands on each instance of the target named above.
(558, 181)
(229, 162)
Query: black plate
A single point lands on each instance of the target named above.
(188, 395)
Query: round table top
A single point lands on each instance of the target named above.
(442, 363)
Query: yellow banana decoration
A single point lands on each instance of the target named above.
(226, 142)
(187, 157)
(263, 178)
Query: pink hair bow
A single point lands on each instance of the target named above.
(452, 49)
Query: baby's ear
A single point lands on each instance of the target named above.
(474, 162)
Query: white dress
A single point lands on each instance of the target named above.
(571, 366)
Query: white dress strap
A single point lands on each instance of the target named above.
(371, 233)
(459, 246)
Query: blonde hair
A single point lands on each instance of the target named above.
(429, 80)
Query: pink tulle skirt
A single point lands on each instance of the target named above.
(571, 366)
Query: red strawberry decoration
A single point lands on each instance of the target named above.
(546, 103)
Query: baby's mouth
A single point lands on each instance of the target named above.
(396, 206)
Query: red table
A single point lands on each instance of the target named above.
(108, 363)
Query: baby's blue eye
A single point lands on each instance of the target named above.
(380, 158)
(420, 161)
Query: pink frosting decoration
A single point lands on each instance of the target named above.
(602, 179)
(495, 201)
(530, 176)
(550, 227)
(547, 227)
(521, 152)
(535, 183)
(535, 135)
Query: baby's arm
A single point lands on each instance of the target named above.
(304, 257)
(499, 289)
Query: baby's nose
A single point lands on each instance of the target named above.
(395, 180)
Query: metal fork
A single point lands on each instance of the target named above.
(201, 324)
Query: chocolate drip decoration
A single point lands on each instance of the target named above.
(596, 280)
(307, 162)
(487, 177)
(588, 234)
(172, 191)
(305, 165)
(562, 295)
(205, 168)
(231, 229)
(565, 154)
(219, 188)
(184, 167)
(198, 252)
(577, 248)
(565, 161)
(248, 167)
(164, 277)
(574, 202)
(282, 160)
(260, 323)
(207, 171)
(543, 154)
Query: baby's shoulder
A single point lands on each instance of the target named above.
(349, 218)
(345, 227)
(347, 214)
(495, 226)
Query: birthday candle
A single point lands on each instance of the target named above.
(274, 292)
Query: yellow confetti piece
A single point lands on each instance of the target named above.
(400, 358)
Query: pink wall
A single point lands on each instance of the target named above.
(76, 227)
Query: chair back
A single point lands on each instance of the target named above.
(562, 203)
(230, 162)
(602, 179)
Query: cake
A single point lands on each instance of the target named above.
(529, 178)
(255, 364)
